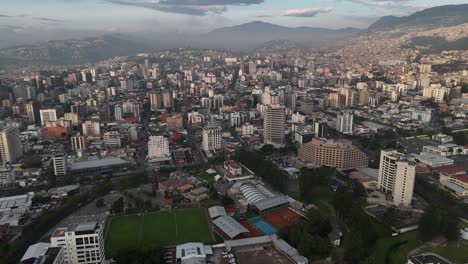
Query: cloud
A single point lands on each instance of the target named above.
(2, 15)
(186, 7)
(46, 19)
(261, 14)
(307, 12)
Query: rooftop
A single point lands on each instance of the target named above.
(229, 226)
(90, 164)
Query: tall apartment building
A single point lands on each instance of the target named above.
(83, 244)
(47, 115)
(340, 154)
(7, 176)
(158, 147)
(274, 118)
(396, 176)
(32, 111)
(155, 100)
(10, 145)
(91, 129)
(321, 129)
(168, 99)
(118, 112)
(344, 123)
(212, 138)
(73, 117)
(78, 142)
(60, 165)
(252, 67)
(436, 92)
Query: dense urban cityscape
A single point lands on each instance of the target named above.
(355, 152)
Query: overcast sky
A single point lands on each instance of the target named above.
(193, 16)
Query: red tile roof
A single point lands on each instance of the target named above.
(449, 169)
(463, 178)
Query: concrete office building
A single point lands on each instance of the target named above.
(10, 145)
(340, 154)
(158, 147)
(83, 244)
(60, 165)
(212, 138)
(396, 176)
(274, 119)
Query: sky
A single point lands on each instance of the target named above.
(194, 16)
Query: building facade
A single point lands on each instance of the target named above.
(273, 125)
(339, 154)
(396, 176)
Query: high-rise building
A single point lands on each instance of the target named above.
(118, 112)
(337, 100)
(91, 129)
(155, 100)
(83, 244)
(158, 147)
(252, 67)
(60, 165)
(307, 106)
(10, 145)
(7, 176)
(73, 117)
(425, 68)
(47, 115)
(321, 129)
(436, 92)
(340, 154)
(168, 99)
(396, 176)
(212, 138)
(344, 123)
(78, 142)
(32, 111)
(274, 118)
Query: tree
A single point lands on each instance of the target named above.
(100, 203)
(226, 201)
(451, 231)
(118, 205)
(430, 223)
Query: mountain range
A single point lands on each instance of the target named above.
(240, 38)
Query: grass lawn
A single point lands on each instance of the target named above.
(452, 252)
(206, 176)
(386, 241)
(158, 229)
(323, 197)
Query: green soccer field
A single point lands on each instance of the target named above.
(158, 229)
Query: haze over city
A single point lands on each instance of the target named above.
(233, 132)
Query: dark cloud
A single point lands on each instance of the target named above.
(2, 15)
(187, 7)
(211, 2)
(46, 19)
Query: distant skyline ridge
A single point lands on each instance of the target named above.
(30, 20)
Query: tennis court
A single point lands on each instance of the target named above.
(263, 226)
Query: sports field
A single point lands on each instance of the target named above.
(158, 229)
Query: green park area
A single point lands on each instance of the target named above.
(147, 231)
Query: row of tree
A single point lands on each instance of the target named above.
(360, 240)
(262, 167)
(310, 236)
(310, 178)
